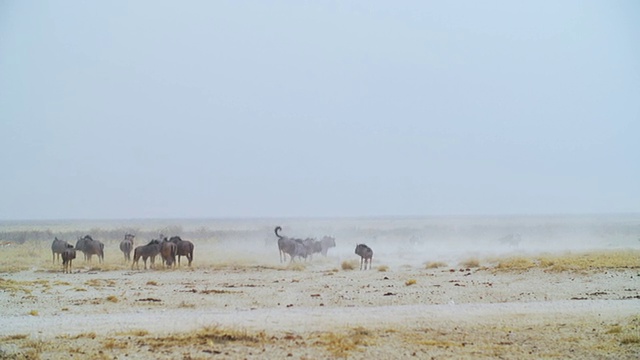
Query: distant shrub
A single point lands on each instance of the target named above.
(470, 263)
(410, 282)
(349, 264)
(435, 264)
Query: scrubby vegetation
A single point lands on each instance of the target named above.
(435, 264)
(572, 262)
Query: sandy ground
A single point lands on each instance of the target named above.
(262, 309)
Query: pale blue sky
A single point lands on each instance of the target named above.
(147, 109)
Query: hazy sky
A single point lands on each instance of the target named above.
(146, 109)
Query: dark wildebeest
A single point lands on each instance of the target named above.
(67, 257)
(126, 246)
(366, 254)
(151, 250)
(326, 243)
(90, 247)
(185, 248)
(58, 247)
(312, 246)
(168, 251)
(292, 247)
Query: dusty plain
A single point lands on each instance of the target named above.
(240, 302)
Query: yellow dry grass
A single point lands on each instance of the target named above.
(349, 264)
(296, 266)
(573, 262)
(593, 260)
(340, 344)
(515, 263)
(435, 264)
(206, 336)
(470, 263)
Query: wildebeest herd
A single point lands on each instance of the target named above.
(172, 249)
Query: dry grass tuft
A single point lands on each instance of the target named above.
(435, 264)
(470, 263)
(186, 305)
(515, 264)
(14, 286)
(112, 344)
(206, 337)
(139, 333)
(594, 260)
(296, 266)
(574, 262)
(14, 337)
(34, 313)
(630, 339)
(341, 344)
(410, 282)
(617, 329)
(383, 268)
(152, 283)
(349, 264)
(113, 298)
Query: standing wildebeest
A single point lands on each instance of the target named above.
(126, 246)
(366, 254)
(292, 247)
(58, 247)
(90, 247)
(67, 257)
(326, 243)
(151, 250)
(168, 251)
(185, 248)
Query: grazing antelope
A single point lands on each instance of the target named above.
(366, 255)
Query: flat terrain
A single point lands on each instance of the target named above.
(233, 304)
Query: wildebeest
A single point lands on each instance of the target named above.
(366, 255)
(151, 250)
(90, 247)
(58, 247)
(67, 257)
(168, 251)
(292, 247)
(185, 248)
(326, 243)
(126, 246)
